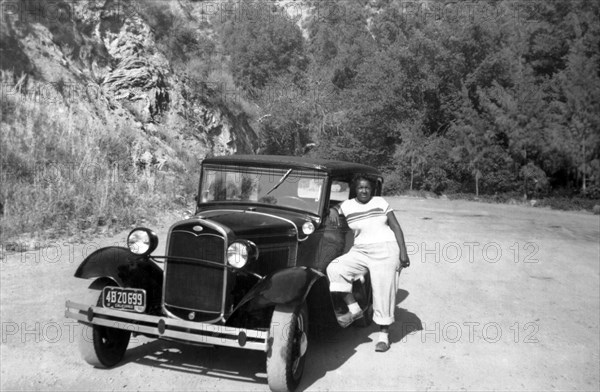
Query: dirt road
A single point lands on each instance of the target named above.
(497, 297)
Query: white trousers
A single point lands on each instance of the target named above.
(382, 261)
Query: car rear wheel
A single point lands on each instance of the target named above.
(100, 346)
(288, 344)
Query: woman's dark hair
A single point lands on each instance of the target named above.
(363, 176)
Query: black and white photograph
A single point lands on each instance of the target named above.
(300, 195)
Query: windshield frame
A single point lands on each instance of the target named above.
(274, 173)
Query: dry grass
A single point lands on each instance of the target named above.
(64, 171)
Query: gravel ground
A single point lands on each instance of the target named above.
(497, 297)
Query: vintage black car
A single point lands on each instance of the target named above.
(247, 270)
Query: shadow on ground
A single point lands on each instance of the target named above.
(218, 362)
(406, 322)
(333, 349)
(328, 351)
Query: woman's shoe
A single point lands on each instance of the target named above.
(382, 347)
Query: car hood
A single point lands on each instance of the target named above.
(254, 224)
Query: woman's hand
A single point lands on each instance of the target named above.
(334, 217)
(405, 262)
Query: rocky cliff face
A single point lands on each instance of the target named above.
(104, 55)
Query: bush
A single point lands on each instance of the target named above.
(592, 192)
(263, 49)
(436, 180)
(568, 204)
(555, 202)
(394, 183)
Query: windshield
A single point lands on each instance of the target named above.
(283, 187)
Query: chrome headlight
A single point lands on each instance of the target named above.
(142, 241)
(308, 228)
(240, 252)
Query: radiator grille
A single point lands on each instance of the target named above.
(192, 284)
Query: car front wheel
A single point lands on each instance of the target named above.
(288, 344)
(100, 346)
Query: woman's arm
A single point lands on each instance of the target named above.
(334, 215)
(395, 226)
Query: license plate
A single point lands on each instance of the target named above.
(133, 300)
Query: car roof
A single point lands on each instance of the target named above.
(332, 167)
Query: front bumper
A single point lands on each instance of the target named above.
(169, 328)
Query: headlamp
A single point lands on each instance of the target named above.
(142, 241)
(308, 228)
(240, 252)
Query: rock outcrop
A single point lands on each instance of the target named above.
(104, 55)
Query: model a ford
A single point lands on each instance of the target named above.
(247, 270)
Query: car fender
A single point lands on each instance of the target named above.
(126, 270)
(290, 286)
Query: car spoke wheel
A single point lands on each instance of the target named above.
(288, 343)
(102, 347)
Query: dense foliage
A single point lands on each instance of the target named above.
(496, 96)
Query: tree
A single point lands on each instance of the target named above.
(263, 44)
(490, 104)
(284, 118)
(473, 136)
(580, 110)
(412, 148)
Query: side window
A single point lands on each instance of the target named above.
(340, 191)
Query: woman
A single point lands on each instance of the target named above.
(378, 248)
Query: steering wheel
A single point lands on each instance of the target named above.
(294, 201)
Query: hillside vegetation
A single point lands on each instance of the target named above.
(103, 125)
(448, 97)
(108, 107)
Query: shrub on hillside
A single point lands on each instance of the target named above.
(568, 204)
(436, 180)
(66, 171)
(394, 183)
(263, 45)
